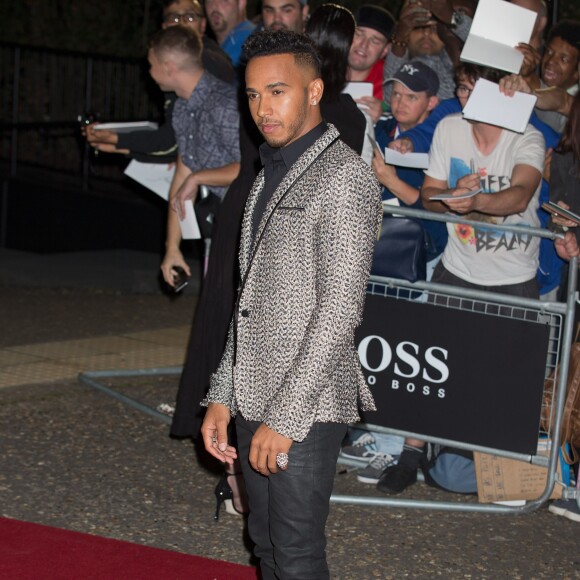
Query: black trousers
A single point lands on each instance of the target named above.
(288, 509)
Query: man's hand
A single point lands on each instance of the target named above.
(441, 9)
(531, 61)
(105, 141)
(95, 137)
(413, 14)
(173, 257)
(385, 173)
(511, 84)
(214, 431)
(467, 183)
(562, 221)
(372, 106)
(403, 145)
(567, 248)
(187, 190)
(266, 444)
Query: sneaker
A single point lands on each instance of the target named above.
(566, 507)
(397, 478)
(363, 449)
(372, 472)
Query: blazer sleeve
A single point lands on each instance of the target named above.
(347, 230)
(221, 387)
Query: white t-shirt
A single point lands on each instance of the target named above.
(485, 256)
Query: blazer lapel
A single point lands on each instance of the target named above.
(293, 175)
(248, 244)
(246, 241)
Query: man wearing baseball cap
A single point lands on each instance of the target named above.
(368, 51)
(413, 97)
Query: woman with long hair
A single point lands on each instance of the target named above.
(332, 28)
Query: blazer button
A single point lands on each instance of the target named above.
(245, 313)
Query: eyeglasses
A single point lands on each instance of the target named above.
(185, 17)
(463, 91)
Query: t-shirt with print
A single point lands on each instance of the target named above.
(486, 256)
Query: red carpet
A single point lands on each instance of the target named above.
(35, 552)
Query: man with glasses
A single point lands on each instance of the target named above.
(159, 146)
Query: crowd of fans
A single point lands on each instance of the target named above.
(419, 88)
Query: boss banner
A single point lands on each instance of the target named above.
(454, 374)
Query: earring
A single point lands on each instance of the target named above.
(314, 101)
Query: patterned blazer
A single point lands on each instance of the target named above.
(290, 359)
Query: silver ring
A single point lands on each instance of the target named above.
(214, 440)
(282, 460)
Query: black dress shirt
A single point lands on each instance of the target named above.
(277, 162)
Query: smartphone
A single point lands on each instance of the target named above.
(179, 279)
(555, 209)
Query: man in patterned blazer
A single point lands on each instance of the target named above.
(290, 373)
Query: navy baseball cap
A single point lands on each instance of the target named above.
(417, 77)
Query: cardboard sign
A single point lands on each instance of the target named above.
(454, 374)
(502, 479)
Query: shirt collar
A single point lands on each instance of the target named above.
(290, 153)
(199, 94)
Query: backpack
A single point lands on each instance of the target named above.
(451, 469)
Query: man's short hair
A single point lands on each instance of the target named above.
(568, 31)
(168, 3)
(474, 72)
(178, 39)
(273, 42)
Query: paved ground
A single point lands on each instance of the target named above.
(75, 458)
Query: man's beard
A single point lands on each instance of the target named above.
(218, 22)
(294, 127)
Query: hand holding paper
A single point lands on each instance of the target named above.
(497, 28)
(188, 223)
(462, 203)
(487, 104)
(413, 160)
(187, 191)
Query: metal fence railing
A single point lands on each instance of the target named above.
(558, 316)
(42, 93)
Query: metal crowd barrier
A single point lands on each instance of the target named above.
(559, 316)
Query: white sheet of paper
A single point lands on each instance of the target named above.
(488, 105)
(189, 226)
(466, 195)
(497, 28)
(127, 127)
(154, 176)
(359, 89)
(413, 160)
(392, 201)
